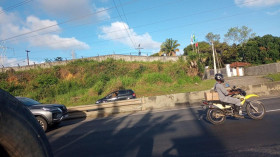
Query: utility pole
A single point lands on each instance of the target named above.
(139, 50)
(73, 54)
(3, 50)
(215, 69)
(27, 57)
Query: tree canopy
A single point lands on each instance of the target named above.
(169, 47)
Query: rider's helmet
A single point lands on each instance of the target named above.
(219, 77)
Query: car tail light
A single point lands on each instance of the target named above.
(133, 94)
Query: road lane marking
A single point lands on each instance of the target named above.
(273, 110)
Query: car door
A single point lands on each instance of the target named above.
(122, 95)
(112, 97)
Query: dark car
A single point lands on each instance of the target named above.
(118, 95)
(46, 114)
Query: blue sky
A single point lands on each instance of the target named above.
(56, 28)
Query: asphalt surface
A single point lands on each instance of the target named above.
(172, 133)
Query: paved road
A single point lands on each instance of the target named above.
(172, 133)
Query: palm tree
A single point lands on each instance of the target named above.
(169, 47)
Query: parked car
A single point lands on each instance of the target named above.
(118, 95)
(46, 114)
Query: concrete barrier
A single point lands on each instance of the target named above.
(105, 109)
(162, 102)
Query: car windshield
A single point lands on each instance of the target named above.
(28, 101)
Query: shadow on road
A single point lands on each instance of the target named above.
(175, 133)
(203, 144)
(112, 136)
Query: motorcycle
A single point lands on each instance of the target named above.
(217, 111)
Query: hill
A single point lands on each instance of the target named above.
(83, 81)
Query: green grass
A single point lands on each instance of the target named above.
(83, 82)
(274, 77)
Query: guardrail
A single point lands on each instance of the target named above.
(161, 102)
(105, 109)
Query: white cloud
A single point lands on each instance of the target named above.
(273, 12)
(73, 8)
(256, 3)
(118, 31)
(11, 25)
(11, 62)
(57, 43)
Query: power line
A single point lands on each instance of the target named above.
(126, 29)
(108, 52)
(206, 11)
(61, 23)
(130, 13)
(160, 30)
(181, 26)
(15, 6)
(81, 17)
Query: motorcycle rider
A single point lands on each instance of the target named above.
(224, 95)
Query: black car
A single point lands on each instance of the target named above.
(46, 114)
(118, 95)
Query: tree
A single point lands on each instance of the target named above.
(239, 35)
(204, 47)
(48, 60)
(58, 59)
(262, 50)
(210, 37)
(169, 47)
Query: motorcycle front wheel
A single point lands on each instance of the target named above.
(216, 116)
(255, 109)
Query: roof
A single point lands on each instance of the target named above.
(239, 64)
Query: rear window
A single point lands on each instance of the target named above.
(130, 91)
(122, 92)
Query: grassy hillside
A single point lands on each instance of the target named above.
(83, 82)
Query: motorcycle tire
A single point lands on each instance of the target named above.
(255, 114)
(20, 133)
(211, 116)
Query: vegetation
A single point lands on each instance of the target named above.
(83, 82)
(274, 77)
(169, 47)
(244, 47)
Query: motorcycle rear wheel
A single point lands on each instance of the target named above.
(216, 116)
(255, 110)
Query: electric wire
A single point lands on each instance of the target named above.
(125, 27)
(86, 15)
(63, 22)
(15, 6)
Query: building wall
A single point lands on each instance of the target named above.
(128, 58)
(262, 69)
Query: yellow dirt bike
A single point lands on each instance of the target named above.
(217, 111)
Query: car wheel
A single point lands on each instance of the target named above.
(43, 123)
(20, 133)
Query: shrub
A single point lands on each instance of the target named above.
(138, 72)
(46, 80)
(152, 78)
(98, 87)
(128, 81)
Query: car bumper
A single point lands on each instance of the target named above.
(59, 118)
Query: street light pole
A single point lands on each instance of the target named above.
(27, 57)
(215, 69)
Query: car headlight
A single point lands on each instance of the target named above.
(51, 109)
